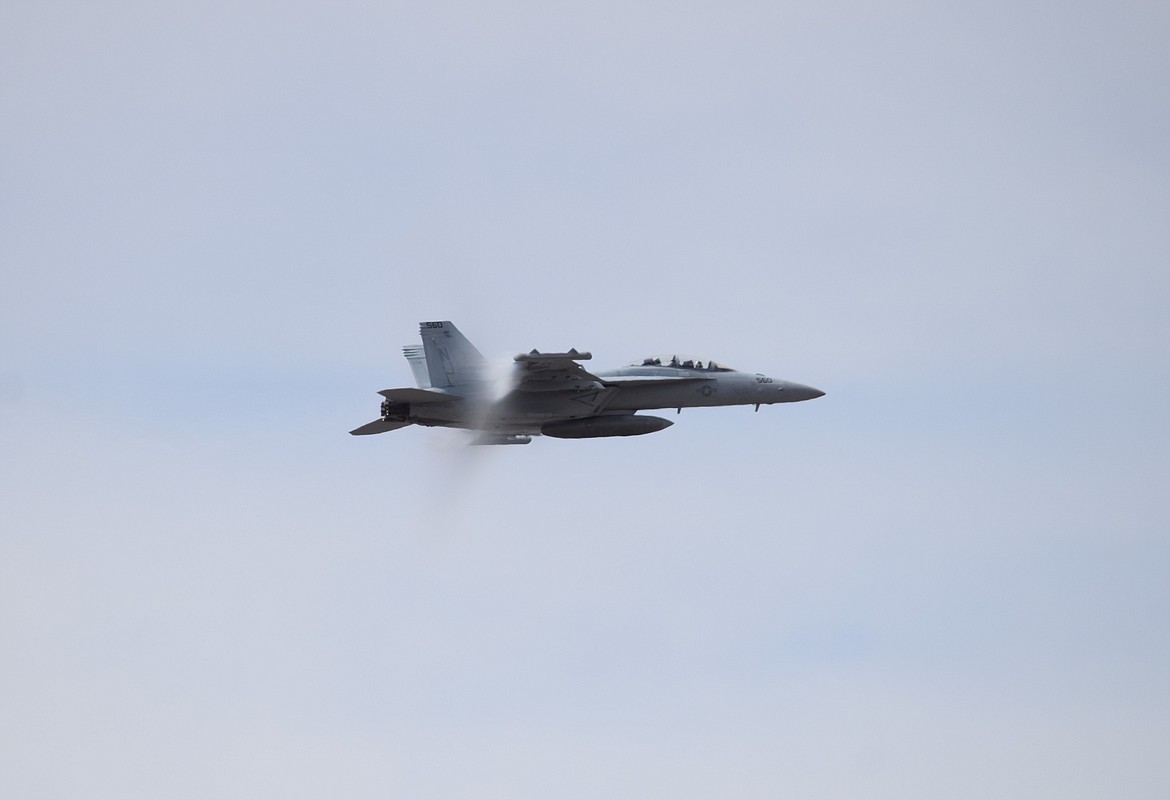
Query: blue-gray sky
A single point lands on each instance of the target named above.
(948, 577)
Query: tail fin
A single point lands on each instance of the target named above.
(451, 360)
(418, 365)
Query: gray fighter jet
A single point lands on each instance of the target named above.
(551, 394)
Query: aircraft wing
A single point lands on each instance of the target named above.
(418, 396)
(546, 372)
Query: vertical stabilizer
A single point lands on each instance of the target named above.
(451, 360)
(418, 364)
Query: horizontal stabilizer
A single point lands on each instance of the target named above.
(418, 396)
(380, 426)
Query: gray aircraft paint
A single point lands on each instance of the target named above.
(552, 394)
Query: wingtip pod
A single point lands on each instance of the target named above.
(535, 355)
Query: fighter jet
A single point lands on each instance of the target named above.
(551, 394)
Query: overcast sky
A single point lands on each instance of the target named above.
(950, 577)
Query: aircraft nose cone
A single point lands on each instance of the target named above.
(798, 391)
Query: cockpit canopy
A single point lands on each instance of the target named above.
(680, 361)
